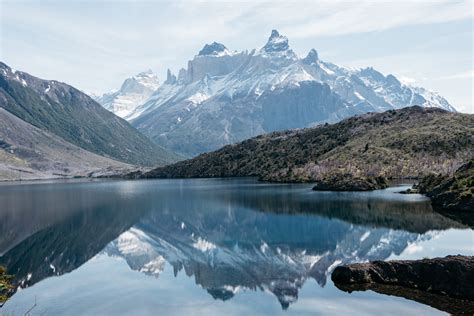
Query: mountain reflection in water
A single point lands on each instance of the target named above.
(229, 235)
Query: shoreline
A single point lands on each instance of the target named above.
(398, 180)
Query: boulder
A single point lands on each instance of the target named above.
(443, 283)
(452, 275)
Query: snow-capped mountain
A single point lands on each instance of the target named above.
(226, 96)
(133, 92)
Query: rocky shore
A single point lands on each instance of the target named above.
(348, 182)
(450, 193)
(444, 283)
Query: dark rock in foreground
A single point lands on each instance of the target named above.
(444, 283)
(451, 193)
(453, 306)
(348, 182)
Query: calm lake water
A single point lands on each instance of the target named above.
(209, 246)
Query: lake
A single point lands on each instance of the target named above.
(209, 246)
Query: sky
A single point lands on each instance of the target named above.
(95, 45)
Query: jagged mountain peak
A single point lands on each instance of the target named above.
(170, 77)
(146, 73)
(273, 35)
(214, 49)
(371, 72)
(223, 97)
(311, 58)
(276, 43)
(132, 93)
(143, 81)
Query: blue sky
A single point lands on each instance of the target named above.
(95, 45)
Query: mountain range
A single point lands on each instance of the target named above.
(50, 129)
(226, 96)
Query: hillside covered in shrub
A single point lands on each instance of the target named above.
(406, 143)
(454, 192)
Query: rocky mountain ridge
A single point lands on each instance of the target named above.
(224, 96)
(73, 116)
(133, 92)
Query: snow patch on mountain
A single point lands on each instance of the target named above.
(133, 92)
(203, 245)
(215, 49)
(198, 98)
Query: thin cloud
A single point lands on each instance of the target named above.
(305, 19)
(461, 75)
(95, 45)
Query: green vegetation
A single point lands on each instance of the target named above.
(76, 118)
(347, 182)
(6, 287)
(405, 143)
(450, 192)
